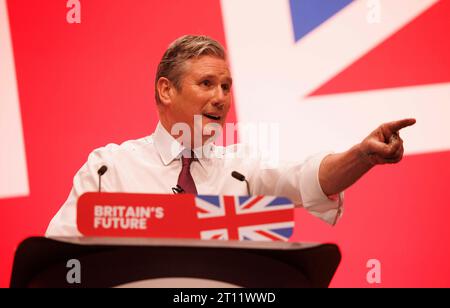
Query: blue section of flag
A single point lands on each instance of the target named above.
(214, 200)
(279, 201)
(243, 199)
(309, 14)
(286, 232)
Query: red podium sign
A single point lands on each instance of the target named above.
(254, 218)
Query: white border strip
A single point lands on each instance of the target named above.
(13, 174)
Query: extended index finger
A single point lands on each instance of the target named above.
(395, 126)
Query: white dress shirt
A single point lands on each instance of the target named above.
(152, 165)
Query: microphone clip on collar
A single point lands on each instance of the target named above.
(178, 190)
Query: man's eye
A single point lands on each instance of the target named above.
(206, 83)
(226, 87)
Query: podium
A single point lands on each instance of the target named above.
(144, 262)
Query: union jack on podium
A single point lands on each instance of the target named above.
(249, 218)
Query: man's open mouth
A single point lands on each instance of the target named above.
(212, 117)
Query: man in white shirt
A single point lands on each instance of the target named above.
(193, 81)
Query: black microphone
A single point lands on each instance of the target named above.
(101, 172)
(240, 177)
(178, 190)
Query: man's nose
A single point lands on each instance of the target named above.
(220, 97)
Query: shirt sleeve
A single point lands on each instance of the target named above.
(327, 208)
(300, 183)
(86, 180)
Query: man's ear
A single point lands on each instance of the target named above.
(165, 90)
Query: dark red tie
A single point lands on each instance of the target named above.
(185, 180)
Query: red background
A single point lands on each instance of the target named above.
(82, 86)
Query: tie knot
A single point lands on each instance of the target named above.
(187, 158)
(186, 161)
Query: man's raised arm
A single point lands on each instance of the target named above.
(384, 145)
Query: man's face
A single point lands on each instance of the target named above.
(205, 91)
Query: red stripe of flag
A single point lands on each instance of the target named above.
(253, 202)
(267, 234)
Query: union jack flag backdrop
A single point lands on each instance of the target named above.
(328, 72)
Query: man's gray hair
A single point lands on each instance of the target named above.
(181, 50)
